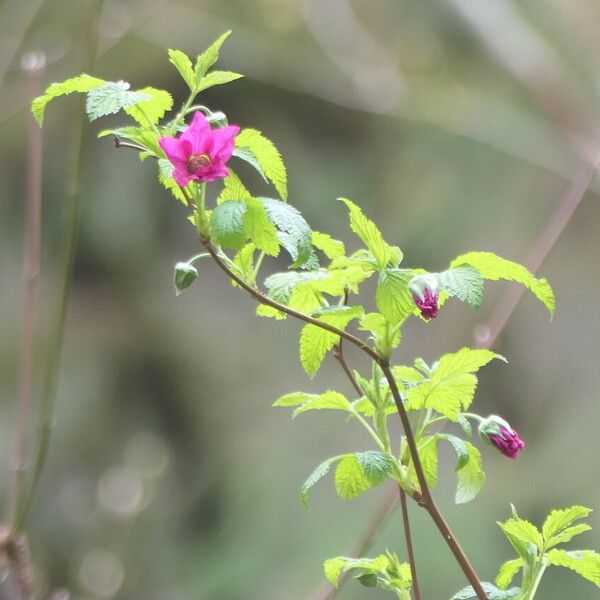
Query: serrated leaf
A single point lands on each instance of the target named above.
(350, 480)
(209, 57)
(289, 221)
(376, 465)
(584, 562)
(466, 360)
(330, 247)
(493, 267)
(429, 461)
(316, 342)
(464, 283)
(392, 297)
(470, 476)
(559, 520)
(493, 593)
(332, 568)
(281, 285)
(244, 261)
(266, 156)
(315, 476)
(460, 447)
(227, 225)
(259, 228)
(508, 571)
(371, 237)
(233, 189)
(566, 535)
(165, 177)
(465, 424)
(151, 111)
(217, 78)
(293, 399)
(328, 400)
(521, 532)
(82, 83)
(110, 98)
(182, 62)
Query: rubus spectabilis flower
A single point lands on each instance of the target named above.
(500, 434)
(200, 153)
(424, 289)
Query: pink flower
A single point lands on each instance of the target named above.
(200, 152)
(427, 303)
(500, 434)
(508, 442)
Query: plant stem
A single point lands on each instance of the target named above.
(67, 262)
(536, 582)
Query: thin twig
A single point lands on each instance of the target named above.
(67, 263)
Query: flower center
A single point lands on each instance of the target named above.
(198, 161)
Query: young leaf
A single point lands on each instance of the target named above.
(460, 447)
(429, 461)
(493, 267)
(281, 285)
(217, 78)
(82, 83)
(209, 57)
(393, 298)
(330, 247)
(464, 283)
(110, 98)
(289, 221)
(371, 237)
(559, 520)
(350, 479)
(520, 533)
(376, 465)
(317, 474)
(151, 111)
(227, 227)
(233, 189)
(470, 476)
(508, 571)
(584, 562)
(181, 61)
(332, 568)
(259, 229)
(328, 400)
(493, 593)
(264, 155)
(316, 342)
(466, 360)
(165, 177)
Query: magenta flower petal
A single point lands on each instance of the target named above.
(173, 148)
(224, 142)
(427, 304)
(197, 133)
(508, 442)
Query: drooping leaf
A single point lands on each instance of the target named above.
(493, 267)
(315, 476)
(151, 111)
(508, 571)
(259, 228)
(584, 562)
(393, 298)
(463, 282)
(82, 83)
(330, 247)
(266, 156)
(493, 593)
(110, 98)
(332, 568)
(371, 237)
(165, 177)
(376, 465)
(429, 461)
(470, 476)
(350, 479)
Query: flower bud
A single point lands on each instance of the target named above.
(185, 274)
(497, 432)
(425, 294)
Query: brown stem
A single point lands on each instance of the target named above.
(427, 500)
(339, 355)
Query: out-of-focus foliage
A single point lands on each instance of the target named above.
(169, 475)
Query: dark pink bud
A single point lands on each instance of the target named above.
(508, 442)
(427, 303)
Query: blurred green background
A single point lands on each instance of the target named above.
(457, 125)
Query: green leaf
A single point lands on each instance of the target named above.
(227, 226)
(393, 298)
(371, 237)
(217, 78)
(464, 283)
(584, 562)
(508, 571)
(470, 476)
(297, 234)
(110, 98)
(460, 447)
(376, 465)
(429, 461)
(521, 533)
(151, 111)
(332, 568)
(493, 267)
(266, 156)
(305, 402)
(315, 476)
(209, 57)
(350, 479)
(233, 189)
(330, 247)
(316, 342)
(385, 335)
(558, 521)
(165, 177)
(493, 593)
(566, 535)
(181, 61)
(82, 83)
(259, 228)
(466, 360)
(281, 285)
